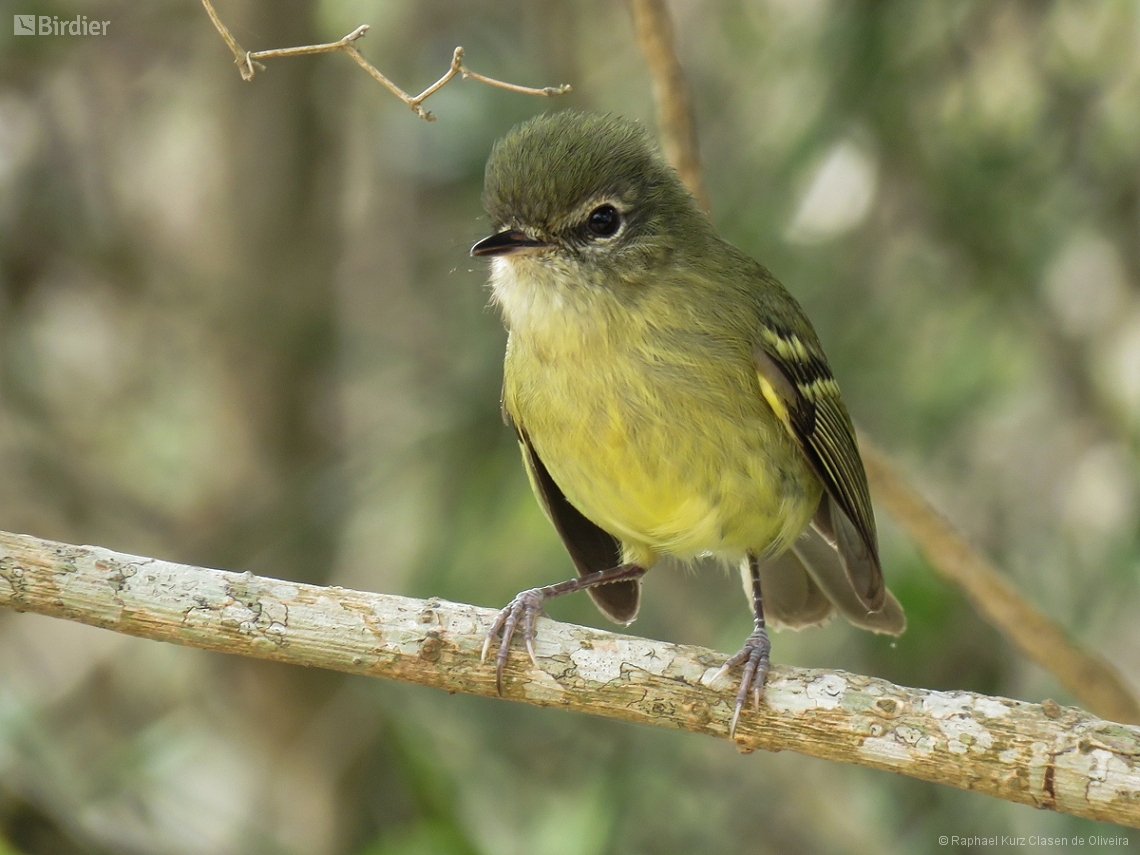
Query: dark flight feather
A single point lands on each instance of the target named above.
(816, 417)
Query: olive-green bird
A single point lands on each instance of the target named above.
(669, 396)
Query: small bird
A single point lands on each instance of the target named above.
(670, 397)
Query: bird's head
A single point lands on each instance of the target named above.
(584, 197)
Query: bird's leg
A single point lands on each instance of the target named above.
(527, 606)
(754, 653)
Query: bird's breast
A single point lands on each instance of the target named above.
(659, 435)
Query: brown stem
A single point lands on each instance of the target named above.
(654, 28)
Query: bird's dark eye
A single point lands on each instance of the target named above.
(604, 221)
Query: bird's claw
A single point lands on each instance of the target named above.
(527, 606)
(754, 656)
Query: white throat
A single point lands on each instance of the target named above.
(528, 293)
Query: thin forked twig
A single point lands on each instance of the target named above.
(227, 37)
(248, 64)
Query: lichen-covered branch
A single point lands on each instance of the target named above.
(249, 62)
(1037, 754)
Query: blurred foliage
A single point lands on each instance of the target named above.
(239, 327)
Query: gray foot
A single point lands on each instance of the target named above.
(754, 656)
(527, 606)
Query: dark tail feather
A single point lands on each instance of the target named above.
(791, 598)
(840, 564)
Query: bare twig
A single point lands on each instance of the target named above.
(654, 29)
(1094, 682)
(1042, 755)
(457, 67)
(248, 63)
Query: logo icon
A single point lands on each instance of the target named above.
(24, 25)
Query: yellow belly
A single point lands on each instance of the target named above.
(666, 464)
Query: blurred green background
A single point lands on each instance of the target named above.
(239, 327)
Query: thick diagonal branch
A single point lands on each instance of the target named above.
(1041, 755)
(1092, 680)
(1095, 682)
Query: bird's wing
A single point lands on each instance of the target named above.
(591, 548)
(797, 383)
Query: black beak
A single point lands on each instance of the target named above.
(505, 243)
